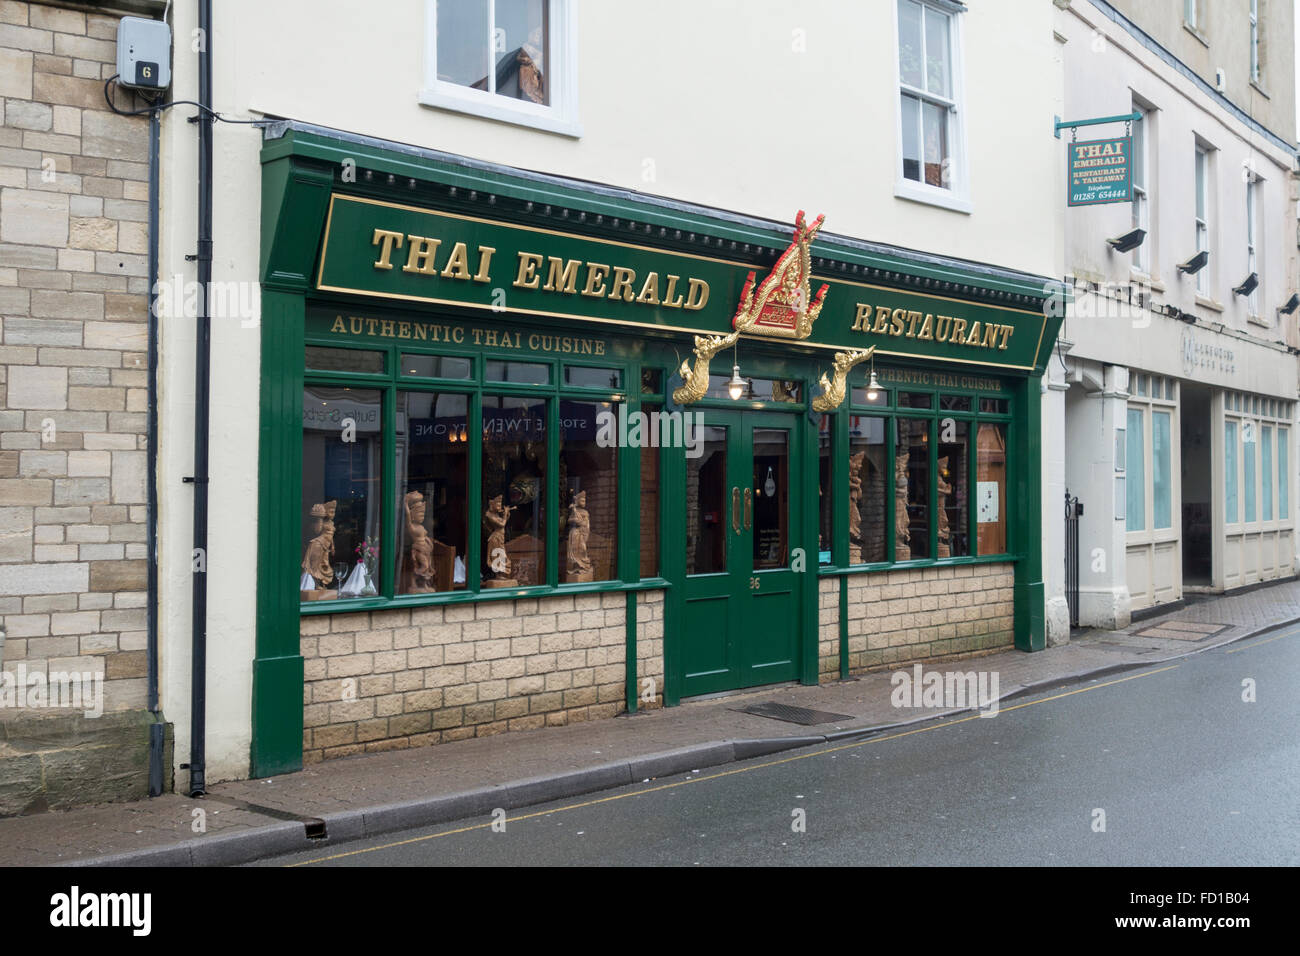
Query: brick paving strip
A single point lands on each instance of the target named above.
(372, 794)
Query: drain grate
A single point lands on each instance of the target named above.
(793, 715)
(1182, 630)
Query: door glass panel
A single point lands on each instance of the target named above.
(771, 507)
(707, 507)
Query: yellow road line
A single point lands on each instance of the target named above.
(728, 773)
(1267, 640)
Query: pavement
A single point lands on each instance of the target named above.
(366, 795)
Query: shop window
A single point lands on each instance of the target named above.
(1248, 469)
(915, 400)
(1283, 475)
(950, 486)
(588, 495)
(868, 481)
(1266, 472)
(912, 490)
(996, 406)
(649, 504)
(517, 373)
(862, 396)
(511, 60)
(652, 381)
(1161, 482)
(991, 488)
(514, 492)
(433, 466)
(1135, 485)
(437, 366)
(320, 358)
(825, 494)
(1230, 452)
(955, 403)
(341, 455)
(706, 493)
(585, 376)
(771, 485)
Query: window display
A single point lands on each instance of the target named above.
(514, 491)
(433, 458)
(588, 495)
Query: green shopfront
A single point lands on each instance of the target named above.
(500, 486)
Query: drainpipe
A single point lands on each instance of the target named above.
(202, 362)
(156, 729)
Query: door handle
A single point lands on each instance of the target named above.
(735, 510)
(749, 507)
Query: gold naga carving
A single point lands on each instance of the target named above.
(782, 305)
(833, 388)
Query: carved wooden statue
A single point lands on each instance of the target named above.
(317, 560)
(855, 512)
(902, 525)
(419, 548)
(494, 523)
(579, 565)
(945, 489)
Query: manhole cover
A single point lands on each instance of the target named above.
(793, 715)
(1182, 630)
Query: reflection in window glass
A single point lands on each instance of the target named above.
(950, 485)
(652, 381)
(991, 489)
(588, 495)
(915, 400)
(1230, 472)
(437, 366)
(1248, 469)
(1283, 475)
(520, 44)
(432, 467)
(463, 36)
(1161, 482)
(862, 396)
(771, 498)
(519, 373)
(867, 484)
(586, 376)
(825, 492)
(649, 508)
(514, 491)
(1266, 472)
(707, 505)
(912, 490)
(1136, 485)
(340, 492)
(954, 403)
(322, 358)
(995, 405)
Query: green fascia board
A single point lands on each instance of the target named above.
(903, 267)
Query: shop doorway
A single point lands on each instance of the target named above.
(1197, 487)
(741, 621)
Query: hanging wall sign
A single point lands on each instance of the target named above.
(1100, 171)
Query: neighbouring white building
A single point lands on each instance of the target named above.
(1175, 388)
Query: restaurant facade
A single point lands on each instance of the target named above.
(533, 451)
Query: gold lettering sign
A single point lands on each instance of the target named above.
(427, 257)
(933, 328)
(460, 334)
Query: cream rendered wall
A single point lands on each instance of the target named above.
(714, 94)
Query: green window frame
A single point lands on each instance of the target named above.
(462, 370)
(897, 403)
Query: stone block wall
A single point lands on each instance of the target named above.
(73, 389)
(915, 615)
(388, 680)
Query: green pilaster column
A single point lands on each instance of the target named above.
(1027, 499)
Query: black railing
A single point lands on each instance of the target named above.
(1072, 512)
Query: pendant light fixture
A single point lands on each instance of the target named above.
(735, 387)
(873, 386)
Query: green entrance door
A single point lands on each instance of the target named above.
(741, 621)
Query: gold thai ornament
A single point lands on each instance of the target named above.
(833, 389)
(782, 305)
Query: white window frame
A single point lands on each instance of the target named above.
(1202, 185)
(957, 196)
(560, 116)
(1252, 243)
(1254, 42)
(1141, 190)
(1190, 10)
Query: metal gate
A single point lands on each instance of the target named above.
(1073, 510)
